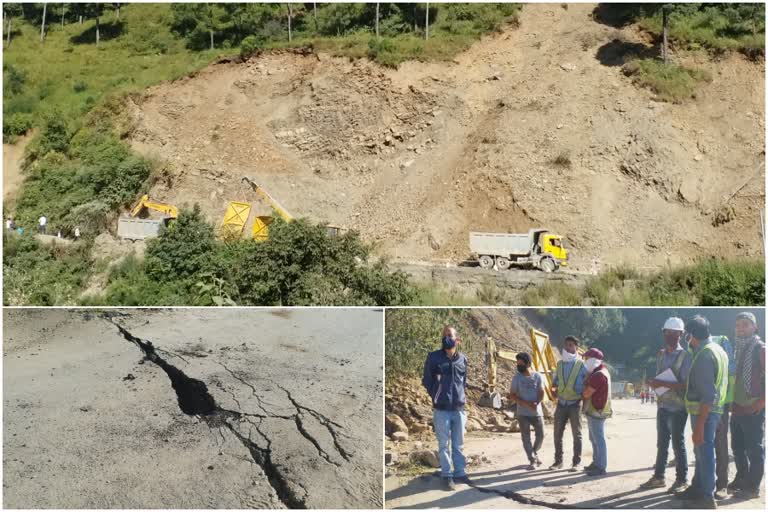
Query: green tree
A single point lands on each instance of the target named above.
(184, 249)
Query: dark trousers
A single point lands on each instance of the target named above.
(748, 443)
(670, 426)
(721, 449)
(42, 230)
(525, 423)
(568, 414)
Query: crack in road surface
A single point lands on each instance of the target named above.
(194, 399)
(519, 498)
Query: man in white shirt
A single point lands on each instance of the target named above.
(43, 221)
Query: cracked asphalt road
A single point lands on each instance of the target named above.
(195, 408)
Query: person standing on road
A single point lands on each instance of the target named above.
(9, 224)
(527, 391)
(748, 418)
(721, 435)
(445, 378)
(77, 233)
(597, 408)
(567, 386)
(705, 393)
(671, 415)
(42, 221)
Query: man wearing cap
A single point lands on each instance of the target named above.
(671, 415)
(705, 393)
(527, 391)
(597, 408)
(445, 378)
(748, 409)
(567, 386)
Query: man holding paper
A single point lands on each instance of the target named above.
(673, 363)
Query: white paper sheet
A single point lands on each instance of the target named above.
(665, 376)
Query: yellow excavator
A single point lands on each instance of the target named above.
(238, 212)
(145, 204)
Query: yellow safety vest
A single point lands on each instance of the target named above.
(606, 411)
(567, 390)
(721, 383)
(731, 378)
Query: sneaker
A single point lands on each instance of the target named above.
(690, 493)
(463, 479)
(721, 494)
(654, 483)
(556, 465)
(531, 466)
(575, 468)
(678, 486)
(537, 461)
(448, 484)
(590, 466)
(596, 472)
(748, 494)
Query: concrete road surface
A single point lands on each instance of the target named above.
(226, 408)
(505, 483)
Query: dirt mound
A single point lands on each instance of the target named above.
(535, 126)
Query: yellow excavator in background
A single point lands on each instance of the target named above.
(260, 230)
(145, 203)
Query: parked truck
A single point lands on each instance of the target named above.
(622, 389)
(538, 248)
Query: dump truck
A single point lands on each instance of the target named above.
(538, 248)
(622, 389)
(138, 227)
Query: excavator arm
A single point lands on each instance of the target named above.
(146, 203)
(273, 203)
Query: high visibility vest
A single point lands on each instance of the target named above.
(567, 390)
(721, 382)
(671, 396)
(606, 411)
(731, 377)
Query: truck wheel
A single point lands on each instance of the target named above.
(486, 261)
(503, 263)
(548, 265)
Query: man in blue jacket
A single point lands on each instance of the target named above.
(445, 378)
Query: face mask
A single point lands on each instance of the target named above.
(521, 368)
(568, 357)
(591, 364)
(448, 342)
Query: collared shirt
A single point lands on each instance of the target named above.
(578, 386)
(667, 361)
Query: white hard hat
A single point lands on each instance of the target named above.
(674, 324)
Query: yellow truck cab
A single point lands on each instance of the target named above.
(553, 244)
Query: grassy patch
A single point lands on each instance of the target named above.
(69, 72)
(669, 82)
(709, 283)
(717, 27)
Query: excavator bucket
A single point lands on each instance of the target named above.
(261, 227)
(543, 360)
(235, 219)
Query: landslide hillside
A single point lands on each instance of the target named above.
(416, 157)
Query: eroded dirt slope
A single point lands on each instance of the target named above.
(416, 157)
(226, 409)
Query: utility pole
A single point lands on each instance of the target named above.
(42, 25)
(426, 32)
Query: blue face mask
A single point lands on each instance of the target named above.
(448, 342)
